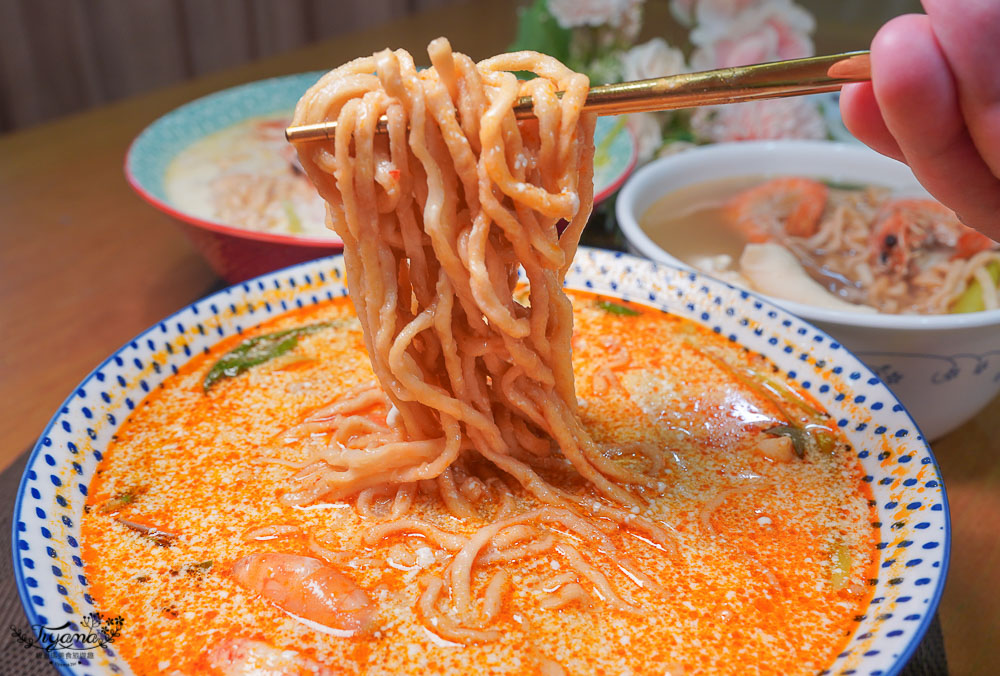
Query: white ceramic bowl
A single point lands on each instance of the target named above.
(944, 368)
(912, 509)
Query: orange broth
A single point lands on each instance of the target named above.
(750, 584)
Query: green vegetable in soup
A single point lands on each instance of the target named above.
(799, 437)
(258, 350)
(122, 499)
(616, 309)
(842, 185)
(841, 573)
(824, 438)
(294, 222)
(971, 299)
(808, 427)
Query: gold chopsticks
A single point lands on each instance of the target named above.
(794, 77)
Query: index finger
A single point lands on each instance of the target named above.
(968, 32)
(917, 95)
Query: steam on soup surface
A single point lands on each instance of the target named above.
(848, 247)
(770, 541)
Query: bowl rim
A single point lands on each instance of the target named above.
(308, 241)
(628, 221)
(31, 612)
(610, 189)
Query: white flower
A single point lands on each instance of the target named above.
(652, 59)
(614, 13)
(792, 118)
(648, 133)
(631, 22)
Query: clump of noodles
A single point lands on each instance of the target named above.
(926, 272)
(474, 387)
(923, 269)
(436, 217)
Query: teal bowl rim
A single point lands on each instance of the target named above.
(146, 192)
(148, 134)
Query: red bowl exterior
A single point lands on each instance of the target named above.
(236, 258)
(238, 254)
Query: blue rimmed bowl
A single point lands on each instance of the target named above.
(237, 253)
(944, 368)
(898, 464)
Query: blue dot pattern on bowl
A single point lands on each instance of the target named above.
(904, 478)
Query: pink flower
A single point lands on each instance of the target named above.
(716, 12)
(654, 58)
(614, 13)
(739, 32)
(718, 19)
(792, 118)
(767, 43)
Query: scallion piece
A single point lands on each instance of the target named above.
(258, 350)
(616, 309)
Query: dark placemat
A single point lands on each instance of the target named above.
(15, 658)
(929, 659)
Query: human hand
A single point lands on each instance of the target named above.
(934, 103)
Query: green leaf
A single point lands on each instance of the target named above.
(678, 128)
(971, 299)
(678, 135)
(799, 437)
(197, 568)
(123, 499)
(538, 31)
(842, 185)
(616, 309)
(841, 572)
(823, 437)
(257, 350)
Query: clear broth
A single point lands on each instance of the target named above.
(689, 222)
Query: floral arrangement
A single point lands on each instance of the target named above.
(598, 37)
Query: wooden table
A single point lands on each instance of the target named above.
(85, 265)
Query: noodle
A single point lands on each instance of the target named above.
(440, 215)
(437, 215)
(431, 533)
(923, 270)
